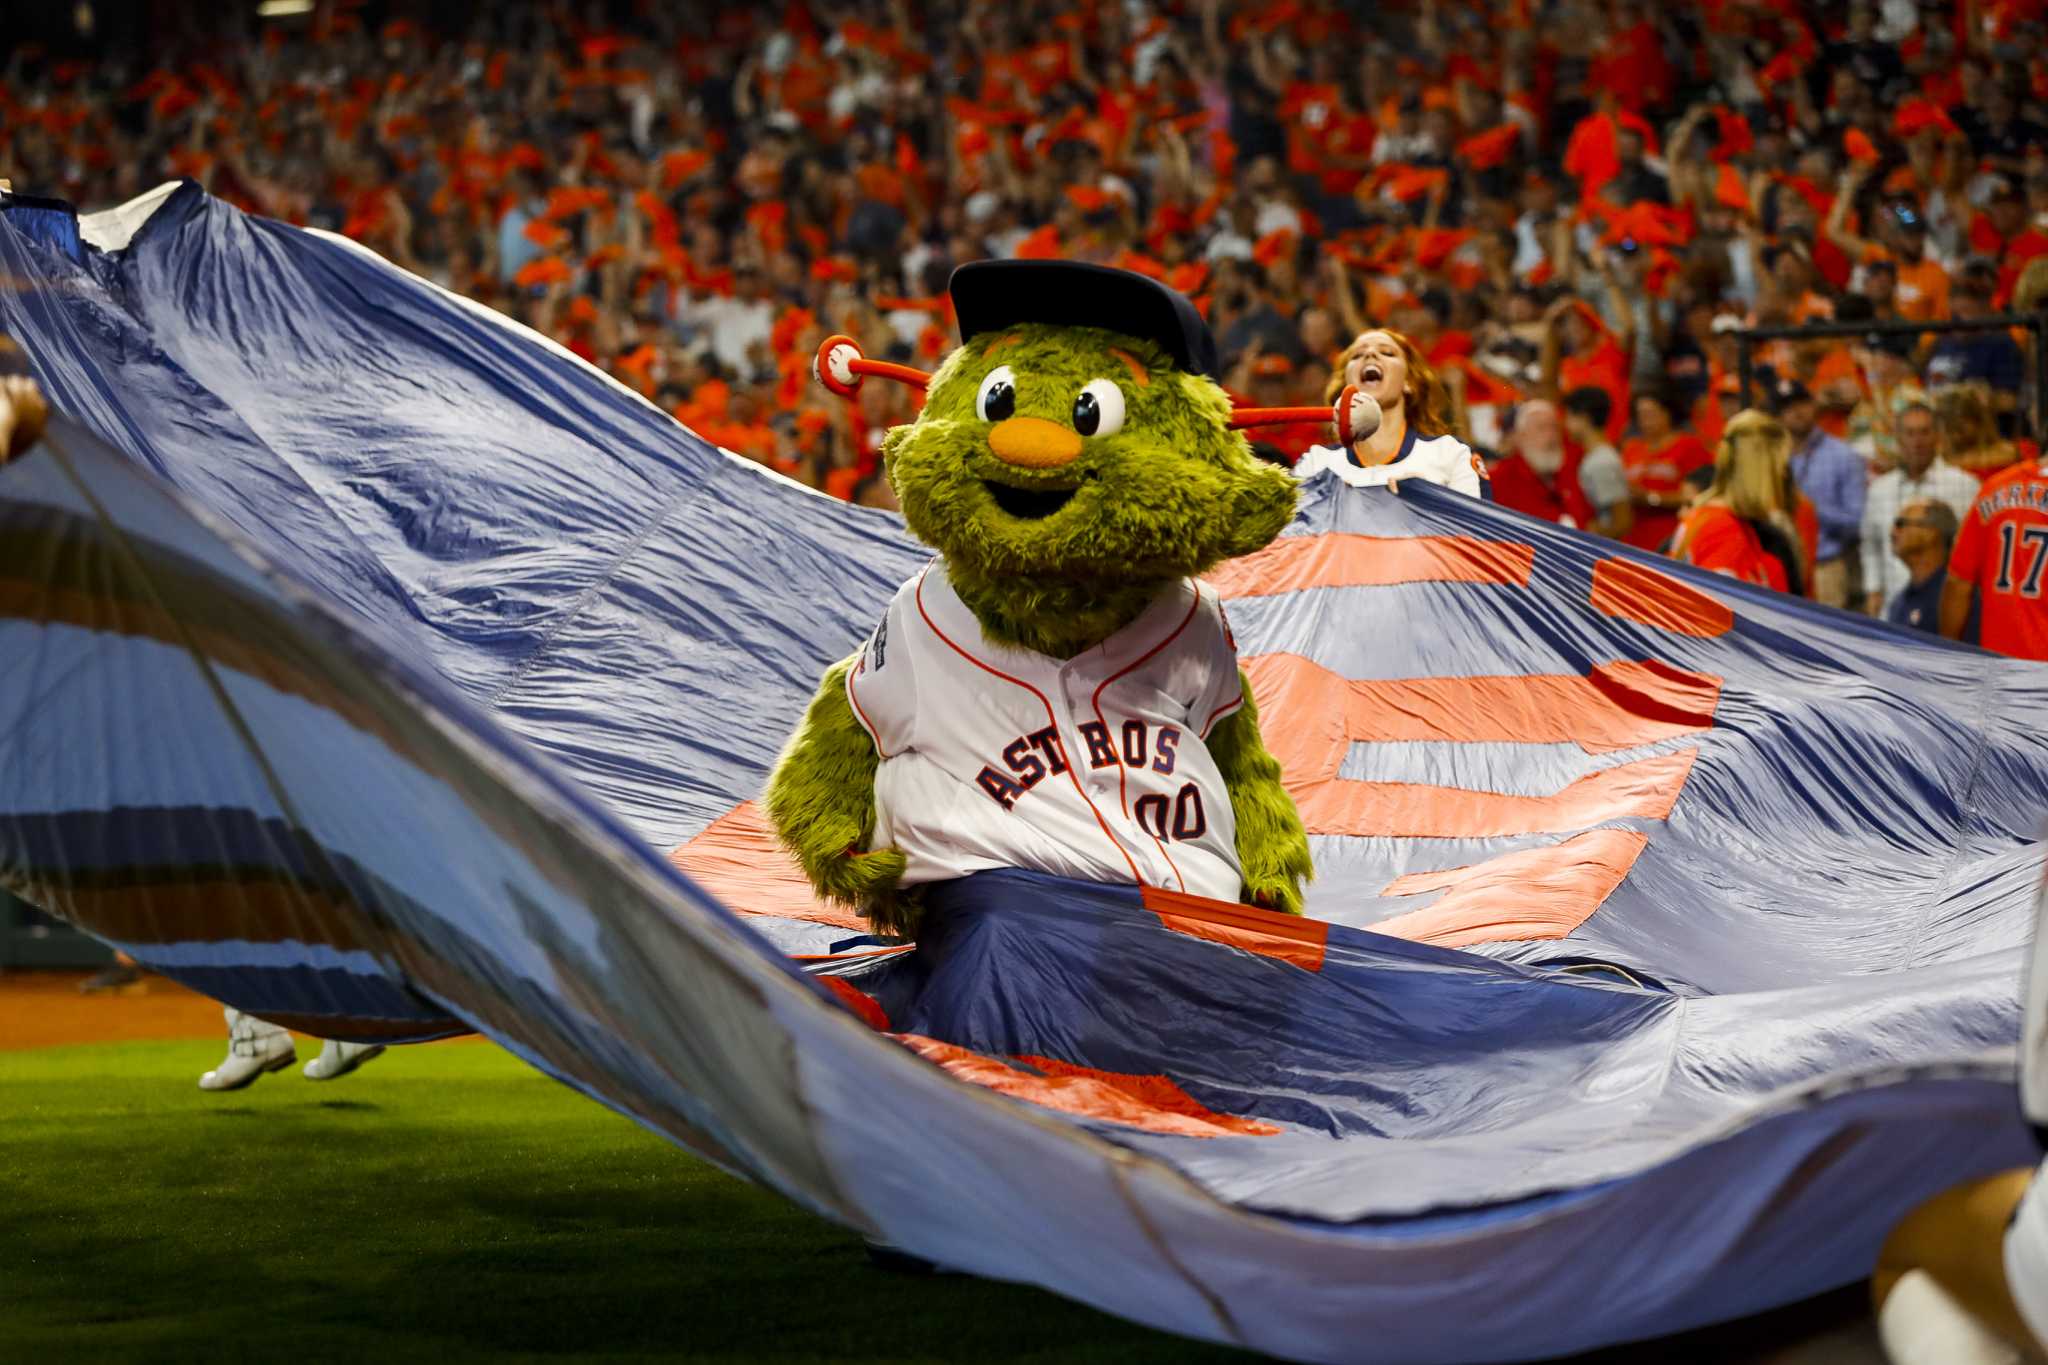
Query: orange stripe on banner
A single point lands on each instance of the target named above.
(1153, 1103)
(1288, 938)
(1533, 893)
(1645, 789)
(1342, 560)
(1633, 592)
(1617, 706)
(737, 859)
(859, 1001)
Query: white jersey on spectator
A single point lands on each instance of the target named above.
(1094, 767)
(1436, 459)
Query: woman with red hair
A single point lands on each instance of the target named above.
(1414, 439)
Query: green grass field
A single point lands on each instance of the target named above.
(448, 1203)
(445, 1203)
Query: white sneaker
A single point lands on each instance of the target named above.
(254, 1047)
(338, 1059)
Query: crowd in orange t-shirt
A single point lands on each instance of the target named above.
(1546, 195)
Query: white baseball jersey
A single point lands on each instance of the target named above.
(1436, 459)
(2026, 1256)
(2026, 1242)
(1093, 767)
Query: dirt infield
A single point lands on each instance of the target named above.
(44, 1009)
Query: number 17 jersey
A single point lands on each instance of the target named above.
(1093, 767)
(2002, 548)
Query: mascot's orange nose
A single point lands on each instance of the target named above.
(1033, 442)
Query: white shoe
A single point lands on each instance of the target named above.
(254, 1047)
(338, 1059)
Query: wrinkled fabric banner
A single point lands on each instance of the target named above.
(365, 653)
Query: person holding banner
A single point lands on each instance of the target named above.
(1413, 439)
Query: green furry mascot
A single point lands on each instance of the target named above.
(1054, 691)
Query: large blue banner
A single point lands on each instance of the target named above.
(375, 666)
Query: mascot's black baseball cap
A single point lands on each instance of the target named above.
(991, 295)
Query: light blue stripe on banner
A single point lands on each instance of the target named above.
(96, 720)
(171, 746)
(143, 512)
(239, 953)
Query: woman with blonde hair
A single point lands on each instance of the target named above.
(1969, 426)
(1744, 524)
(1414, 439)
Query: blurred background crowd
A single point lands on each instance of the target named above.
(1570, 207)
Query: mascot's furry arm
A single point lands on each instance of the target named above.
(1272, 846)
(821, 800)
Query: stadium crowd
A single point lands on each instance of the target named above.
(1569, 206)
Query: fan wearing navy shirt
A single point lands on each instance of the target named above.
(1922, 534)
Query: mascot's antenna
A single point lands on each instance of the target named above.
(841, 368)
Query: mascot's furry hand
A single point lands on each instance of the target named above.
(1271, 842)
(821, 799)
(1071, 476)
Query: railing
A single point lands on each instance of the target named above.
(2034, 324)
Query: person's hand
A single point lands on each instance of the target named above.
(22, 415)
(1555, 313)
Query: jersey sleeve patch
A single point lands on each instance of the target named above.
(1222, 689)
(881, 685)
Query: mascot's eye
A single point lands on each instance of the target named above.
(998, 396)
(1099, 411)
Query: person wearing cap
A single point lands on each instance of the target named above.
(1990, 356)
(1878, 283)
(1902, 239)
(1920, 475)
(1996, 229)
(1835, 479)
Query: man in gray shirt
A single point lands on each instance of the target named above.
(1601, 477)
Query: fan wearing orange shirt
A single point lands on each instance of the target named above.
(1657, 463)
(2001, 556)
(1578, 350)
(1743, 526)
(1922, 292)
